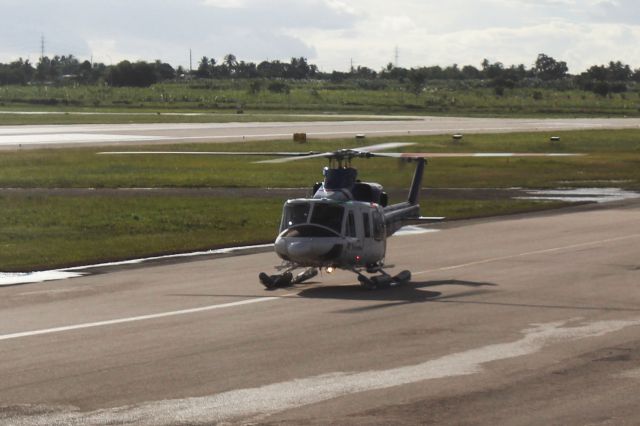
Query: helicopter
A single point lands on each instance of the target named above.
(345, 223)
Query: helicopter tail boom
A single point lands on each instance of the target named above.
(398, 215)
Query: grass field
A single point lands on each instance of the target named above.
(46, 117)
(439, 97)
(40, 230)
(43, 231)
(613, 156)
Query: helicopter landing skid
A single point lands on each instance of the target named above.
(383, 280)
(286, 279)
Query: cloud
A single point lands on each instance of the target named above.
(226, 3)
(620, 11)
(329, 32)
(148, 29)
(509, 31)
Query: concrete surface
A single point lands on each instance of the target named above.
(23, 137)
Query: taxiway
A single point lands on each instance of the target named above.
(49, 136)
(526, 319)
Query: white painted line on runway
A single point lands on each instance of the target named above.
(138, 318)
(407, 131)
(13, 278)
(73, 138)
(265, 299)
(530, 253)
(13, 137)
(243, 404)
(227, 250)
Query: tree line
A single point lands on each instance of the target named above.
(546, 71)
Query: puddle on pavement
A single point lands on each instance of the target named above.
(13, 278)
(595, 195)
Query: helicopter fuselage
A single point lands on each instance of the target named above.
(322, 232)
(346, 223)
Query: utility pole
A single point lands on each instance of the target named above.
(41, 47)
(397, 54)
(190, 62)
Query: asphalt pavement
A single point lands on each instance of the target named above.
(527, 319)
(52, 136)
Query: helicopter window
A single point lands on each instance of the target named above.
(329, 215)
(378, 227)
(295, 214)
(367, 225)
(351, 225)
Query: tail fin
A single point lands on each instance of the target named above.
(397, 215)
(416, 184)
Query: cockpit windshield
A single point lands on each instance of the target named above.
(295, 214)
(329, 215)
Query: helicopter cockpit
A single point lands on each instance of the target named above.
(304, 212)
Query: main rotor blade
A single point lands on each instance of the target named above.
(382, 146)
(370, 151)
(273, 154)
(469, 154)
(288, 156)
(330, 154)
(301, 157)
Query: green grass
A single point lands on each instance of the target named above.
(131, 117)
(613, 156)
(43, 232)
(439, 97)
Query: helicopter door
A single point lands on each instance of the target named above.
(374, 238)
(355, 238)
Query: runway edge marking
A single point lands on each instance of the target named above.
(138, 318)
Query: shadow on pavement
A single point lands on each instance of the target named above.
(413, 292)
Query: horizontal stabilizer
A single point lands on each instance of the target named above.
(431, 218)
(423, 220)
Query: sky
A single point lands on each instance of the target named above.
(332, 34)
